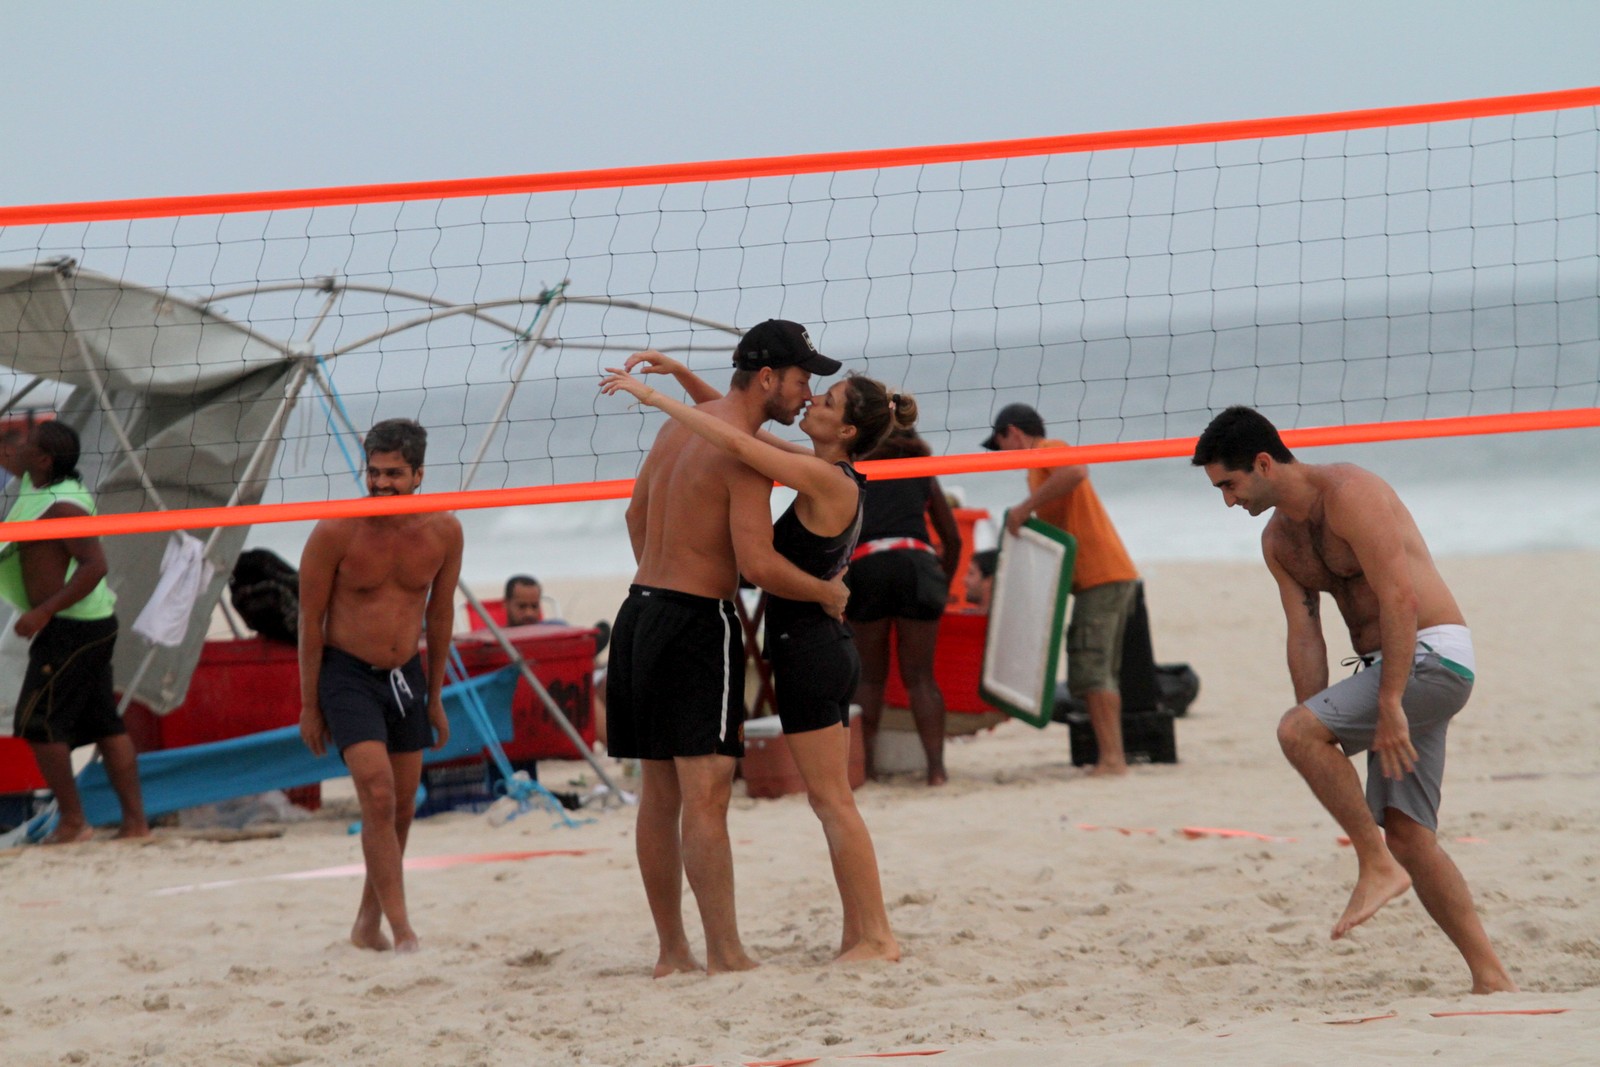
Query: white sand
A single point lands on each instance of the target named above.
(1028, 939)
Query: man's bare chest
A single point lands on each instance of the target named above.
(390, 561)
(1317, 558)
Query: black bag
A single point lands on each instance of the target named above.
(265, 591)
(1179, 685)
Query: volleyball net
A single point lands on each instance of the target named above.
(1357, 276)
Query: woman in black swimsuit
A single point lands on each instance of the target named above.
(814, 662)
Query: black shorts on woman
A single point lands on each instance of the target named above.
(904, 583)
(815, 666)
(815, 670)
(894, 572)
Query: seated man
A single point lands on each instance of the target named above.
(980, 579)
(524, 604)
(524, 600)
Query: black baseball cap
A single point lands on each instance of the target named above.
(779, 343)
(1014, 415)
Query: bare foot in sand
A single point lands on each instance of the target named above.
(1108, 770)
(738, 961)
(866, 951)
(938, 777)
(133, 831)
(368, 933)
(70, 833)
(1374, 889)
(407, 943)
(677, 963)
(1500, 983)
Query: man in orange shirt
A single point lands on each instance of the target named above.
(1102, 579)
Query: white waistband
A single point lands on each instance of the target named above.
(1452, 641)
(1449, 640)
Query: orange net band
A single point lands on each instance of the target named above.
(1171, 448)
(813, 163)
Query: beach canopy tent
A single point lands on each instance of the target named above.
(177, 408)
(180, 406)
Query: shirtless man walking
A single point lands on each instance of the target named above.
(1341, 530)
(367, 585)
(675, 689)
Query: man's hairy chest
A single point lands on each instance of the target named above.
(1315, 557)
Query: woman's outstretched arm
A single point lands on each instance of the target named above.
(801, 471)
(698, 389)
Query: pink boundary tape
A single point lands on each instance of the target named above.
(1507, 1011)
(801, 1061)
(351, 870)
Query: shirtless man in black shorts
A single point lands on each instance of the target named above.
(366, 587)
(675, 699)
(1341, 530)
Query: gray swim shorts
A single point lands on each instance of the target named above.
(1437, 689)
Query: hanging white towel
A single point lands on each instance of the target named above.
(184, 573)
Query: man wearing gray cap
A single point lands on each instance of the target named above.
(675, 683)
(1103, 577)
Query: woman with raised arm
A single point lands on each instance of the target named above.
(815, 667)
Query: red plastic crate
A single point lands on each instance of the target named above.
(18, 771)
(957, 665)
(239, 687)
(562, 658)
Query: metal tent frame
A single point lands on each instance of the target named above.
(299, 364)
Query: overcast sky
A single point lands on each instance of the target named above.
(108, 100)
(171, 97)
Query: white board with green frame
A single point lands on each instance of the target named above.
(1027, 613)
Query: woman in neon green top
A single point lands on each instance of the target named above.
(67, 611)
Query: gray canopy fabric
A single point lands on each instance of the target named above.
(180, 407)
(177, 407)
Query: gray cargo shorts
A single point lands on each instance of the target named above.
(1437, 689)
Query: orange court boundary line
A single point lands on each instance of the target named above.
(811, 163)
(1195, 833)
(618, 489)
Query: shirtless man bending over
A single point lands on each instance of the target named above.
(675, 689)
(366, 587)
(1341, 530)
